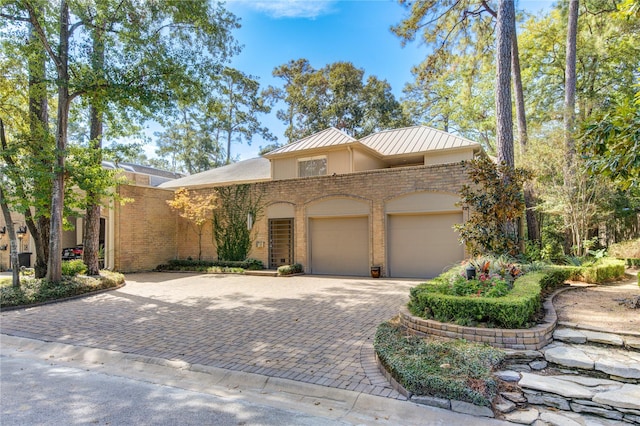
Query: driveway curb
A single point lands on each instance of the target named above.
(337, 404)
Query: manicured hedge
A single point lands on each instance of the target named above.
(296, 268)
(515, 310)
(202, 265)
(603, 270)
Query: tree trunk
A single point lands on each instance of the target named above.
(91, 231)
(504, 118)
(570, 93)
(533, 227)
(54, 266)
(41, 239)
(39, 135)
(13, 241)
(518, 92)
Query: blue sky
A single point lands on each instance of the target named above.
(324, 31)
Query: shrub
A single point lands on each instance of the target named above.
(33, 291)
(633, 263)
(626, 249)
(254, 264)
(445, 369)
(604, 270)
(211, 266)
(552, 278)
(517, 309)
(296, 268)
(71, 268)
(596, 272)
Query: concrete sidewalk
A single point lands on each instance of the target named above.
(319, 401)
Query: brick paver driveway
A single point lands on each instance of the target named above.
(306, 328)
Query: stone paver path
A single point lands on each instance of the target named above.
(312, 329)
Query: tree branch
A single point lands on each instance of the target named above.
(41, 35)
(14, 18)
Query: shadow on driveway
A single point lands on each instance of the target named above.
(312, 329)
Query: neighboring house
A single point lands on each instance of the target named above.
(339, 206)
(335, 204)
(136, 174)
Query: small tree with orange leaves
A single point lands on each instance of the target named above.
(196, 208)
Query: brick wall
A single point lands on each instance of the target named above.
(376, 187)
(145, 229)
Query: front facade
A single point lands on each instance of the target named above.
(336, 205)
(340, 206)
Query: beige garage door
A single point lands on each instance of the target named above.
(339, 246)
(421, 246)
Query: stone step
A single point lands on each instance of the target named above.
(607, 399)
(582, 336)
(616, 363)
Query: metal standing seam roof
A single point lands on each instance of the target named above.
(252, 170)
(324, 139)
(413, 140)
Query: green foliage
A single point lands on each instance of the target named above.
(35, 290)
(207, 265)
(334, 96)
(517, 309)
(296, 268)
(71, 268)
(595, 271)
(606, 269)
(238, 207)
(552, 278)
(445, 369)
(496, 203)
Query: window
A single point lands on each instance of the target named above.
(312, 166)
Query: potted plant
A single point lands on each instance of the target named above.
(375, 271)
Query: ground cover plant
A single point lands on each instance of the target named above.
(37, 290)
(454, 369)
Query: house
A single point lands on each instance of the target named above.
(336, 204)
(339, 205)
(135, 174)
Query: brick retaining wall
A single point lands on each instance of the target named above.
(521, 339)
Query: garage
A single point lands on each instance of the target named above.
(422, 245)
(339, 245)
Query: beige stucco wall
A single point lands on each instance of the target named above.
(284, 168)
(448, 157)
(338, 162)
(363, 161)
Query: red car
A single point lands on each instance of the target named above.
(72, 253)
